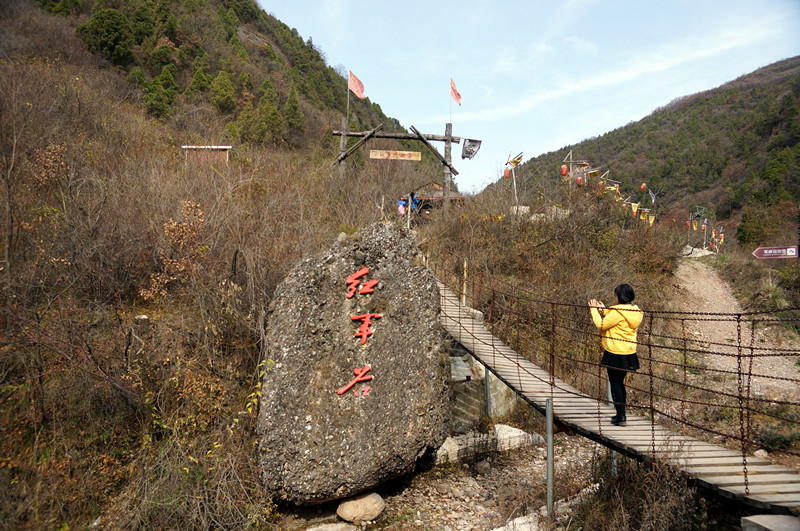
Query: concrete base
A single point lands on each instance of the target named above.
(770, 522)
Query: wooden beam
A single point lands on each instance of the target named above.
(420, 136)
(357, 145)
(400, 136)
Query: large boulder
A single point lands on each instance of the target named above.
(321, 438)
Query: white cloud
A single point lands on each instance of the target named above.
(581, 45)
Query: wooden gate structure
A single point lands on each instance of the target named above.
(426, 139)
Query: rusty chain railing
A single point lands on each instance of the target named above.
(714, 390)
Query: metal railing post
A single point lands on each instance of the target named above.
(550, 467)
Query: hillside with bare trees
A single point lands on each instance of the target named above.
(135, 278)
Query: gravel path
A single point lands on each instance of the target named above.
(702, 290)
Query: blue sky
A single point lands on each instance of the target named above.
(535, 76)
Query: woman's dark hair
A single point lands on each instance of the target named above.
(624, 293)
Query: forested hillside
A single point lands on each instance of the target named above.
(135, 281)
(734, 150)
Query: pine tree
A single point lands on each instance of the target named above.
(292, 112)
(108, 32)
(267, 93)
(199, 83)
(223, 94)
(269, 124)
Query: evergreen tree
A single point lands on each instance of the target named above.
(199, 83)
(245, 122)
(108, 32)
(160, 57)
(246, 81)
(223, 94)
(202, 62)
(292, 112)
(143, 22)
(266, 92)
(269, 123)
(161, 93)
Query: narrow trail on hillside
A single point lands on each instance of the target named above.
(702, 290)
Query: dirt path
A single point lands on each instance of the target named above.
(702, 290)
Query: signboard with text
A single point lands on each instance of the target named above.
(394, 155)
(776, 252)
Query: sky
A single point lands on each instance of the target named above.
(538, 75)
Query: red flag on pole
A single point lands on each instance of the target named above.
(454, 92)
(356, 86)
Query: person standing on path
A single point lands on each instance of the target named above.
(618, 325)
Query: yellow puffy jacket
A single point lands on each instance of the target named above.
(618, 326)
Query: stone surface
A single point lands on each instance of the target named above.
(770, 522)
(473, 445)
(317, 445)
(333, 527)
(362, 508)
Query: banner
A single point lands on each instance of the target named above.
(634, 208)
(454, 92)
(515, 161)
(470, 148)
(694, 225)
(651, 219)
(356, 86)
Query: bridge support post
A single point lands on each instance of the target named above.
(613, 453)
(549, 417)
(487, 386)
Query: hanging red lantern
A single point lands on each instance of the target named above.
(506, 173)
(600, 184)
(563, 170)
(580, 181)
(688, 224)
(644, 186)
(703, 227)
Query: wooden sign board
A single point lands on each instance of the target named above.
(775, 252)
(394, 155)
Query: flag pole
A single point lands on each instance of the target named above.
(347, 116)
(345, 121)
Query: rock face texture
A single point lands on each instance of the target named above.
(326, 430)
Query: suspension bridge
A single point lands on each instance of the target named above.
(531, 346)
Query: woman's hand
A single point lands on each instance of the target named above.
(594, 303)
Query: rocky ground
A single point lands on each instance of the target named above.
(481, 496)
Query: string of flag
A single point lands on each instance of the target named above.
(583, 173)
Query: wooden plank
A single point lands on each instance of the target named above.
(791, 488)
(400, 136)
(752, 479)
(695, 460)
(707, 471)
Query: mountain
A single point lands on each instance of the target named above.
(733, 149)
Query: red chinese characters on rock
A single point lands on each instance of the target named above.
(355, 279)
(361, 376)
(366, 320)
(364, 331)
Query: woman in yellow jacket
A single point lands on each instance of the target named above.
(618, 325)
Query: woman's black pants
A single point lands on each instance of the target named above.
(616, 378)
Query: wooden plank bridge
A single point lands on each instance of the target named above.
(750, 480)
